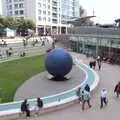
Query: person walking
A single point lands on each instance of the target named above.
(117, 89)
(79, 93)
(25, 108)
(86, 98)
(87, 88)
(38, 106)
(99, 62)
(103, 97)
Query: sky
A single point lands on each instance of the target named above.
(106, 11)
(0, 7)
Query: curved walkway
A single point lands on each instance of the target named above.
(109, 76)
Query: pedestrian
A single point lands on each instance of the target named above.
(86, 98)
(39, 105)
(87, 88)
(99, 65)
(94, 63)
(43, 43)
(25, 108)
(79, 93)
(90, 64)
(103, 97)
(99, 62)
(27, 111)
(117, 89)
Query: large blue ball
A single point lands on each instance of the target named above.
(58, 62)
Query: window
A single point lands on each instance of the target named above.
(21, 12)
(44, 12)
(10, 7)
(9, 1)
(10, 13)
(44, 6)
(48, 1)
(48, 12)
(39, 5)
(16, 12)
(16, 5)
(49, 19)
(21, 5)
(48, 6)
(39, 11)
(39, 18)
(44, 19)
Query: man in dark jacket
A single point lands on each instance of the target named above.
(117, 89)
(87, 88)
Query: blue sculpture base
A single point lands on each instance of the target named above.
(59, 78)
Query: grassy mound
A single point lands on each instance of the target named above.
(14, 73)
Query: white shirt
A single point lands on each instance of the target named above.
(104, 93)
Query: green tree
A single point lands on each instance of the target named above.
(9, 22)
(18, 24)
(2, 22)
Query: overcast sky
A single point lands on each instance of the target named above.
(0, 7)
(105, 10)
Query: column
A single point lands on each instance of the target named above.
(51, 29)
(44, 30)
(60, 30)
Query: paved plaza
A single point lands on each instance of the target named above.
(109, 76)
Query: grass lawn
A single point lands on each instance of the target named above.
(15, 73)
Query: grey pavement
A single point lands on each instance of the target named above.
(109, 76)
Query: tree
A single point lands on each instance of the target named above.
(19, 24)
(9, 22)
(2, 22)
(23, 25)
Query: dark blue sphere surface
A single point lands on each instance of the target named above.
(58, 62)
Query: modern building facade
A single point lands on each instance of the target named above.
(50, 16)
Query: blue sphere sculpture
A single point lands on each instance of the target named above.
(58, 62)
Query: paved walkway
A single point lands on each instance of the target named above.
(109, 76)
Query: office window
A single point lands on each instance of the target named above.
(21, 5)
(48, 12)
(10, 7)
(10, 13)
(21, 12)
(44, 6)
(44, 19)
(48, 6)
(39, 18)
(16, 12)
(39, 11)
(16, 5)
(49, 19)
(39, 5)
(44, 12)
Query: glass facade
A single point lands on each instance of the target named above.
(70, 8)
